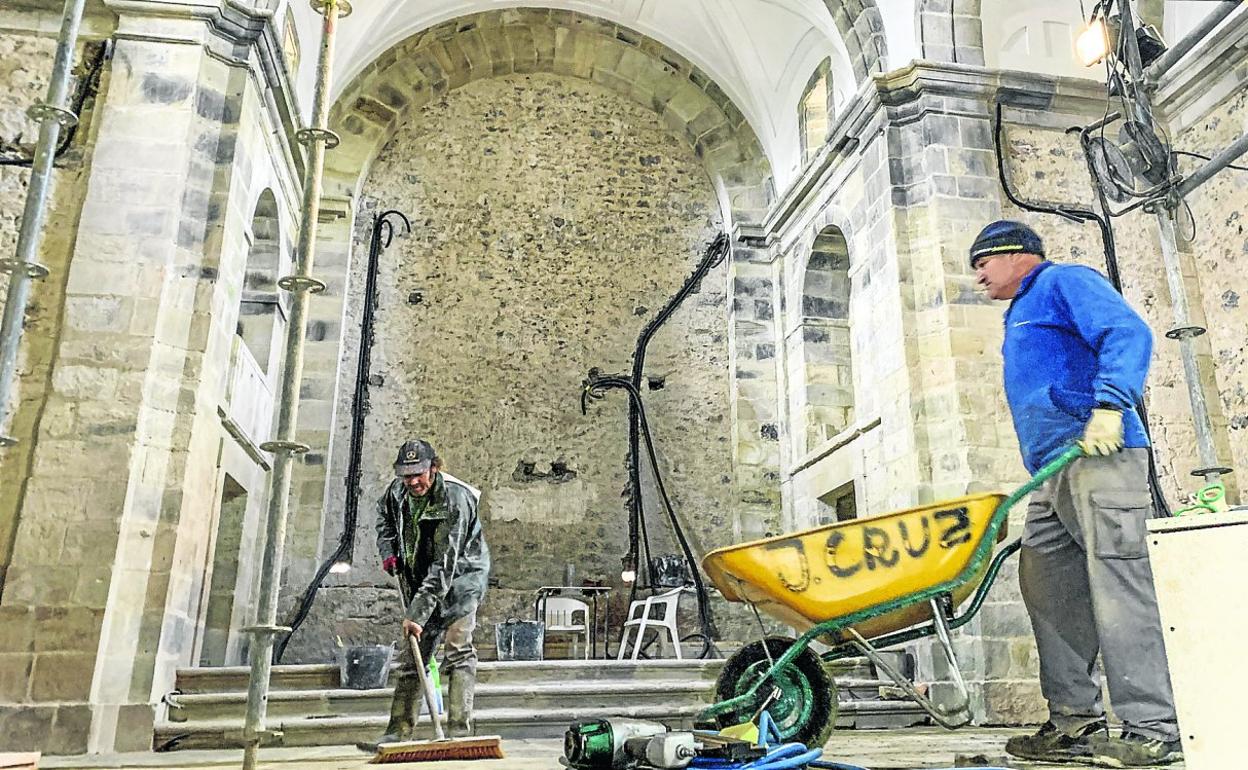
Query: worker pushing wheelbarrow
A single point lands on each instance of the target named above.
(859, 587)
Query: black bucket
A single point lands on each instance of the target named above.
(520, 639)
(366, 667)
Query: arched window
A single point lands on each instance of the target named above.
(814, 111)
(258, 307)
(290, 43)
(828, 383)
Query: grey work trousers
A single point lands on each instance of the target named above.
(459, 667)
(1088, 587)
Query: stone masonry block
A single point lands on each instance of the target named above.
(15, 671)
(25, 727)
(62, 676)
(1014, 703)
(17, 629)
(71, 730)
(67, 629)
(1005, 620)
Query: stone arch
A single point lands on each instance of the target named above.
(258, 309)
(862, 29)
(822, 343)
(429, 64)
(950, 31)
(815, 110)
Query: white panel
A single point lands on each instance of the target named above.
(1200, 573)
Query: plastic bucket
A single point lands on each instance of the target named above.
(520, 639)
(366, 667)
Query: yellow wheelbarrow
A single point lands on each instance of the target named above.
(859, 587)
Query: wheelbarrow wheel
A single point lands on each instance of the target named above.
(805, 712)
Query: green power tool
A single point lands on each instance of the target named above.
(600, 744)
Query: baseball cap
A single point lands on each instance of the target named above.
(414, 458)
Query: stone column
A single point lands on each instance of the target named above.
(103, 588)
(753, 394)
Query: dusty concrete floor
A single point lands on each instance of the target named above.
(875, 749)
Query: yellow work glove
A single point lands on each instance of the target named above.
(1103, 433)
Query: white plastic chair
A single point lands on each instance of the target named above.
(561, 618)
(640, 617)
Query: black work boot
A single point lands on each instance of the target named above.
(462, 692)
(402, 714)
(1134, 750)
(1049, 744)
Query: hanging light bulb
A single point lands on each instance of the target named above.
(1092, 45)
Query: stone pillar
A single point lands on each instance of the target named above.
(753, 395)
(102, 594)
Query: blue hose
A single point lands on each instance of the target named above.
(785, 757)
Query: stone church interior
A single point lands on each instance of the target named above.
(692, 317)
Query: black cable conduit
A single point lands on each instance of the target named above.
(383, 233)
(712, 257)
(595, 388)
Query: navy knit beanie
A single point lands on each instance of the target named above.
(1006, 237)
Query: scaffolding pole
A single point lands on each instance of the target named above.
(1165, 208)
(53, 114)
(317, 138)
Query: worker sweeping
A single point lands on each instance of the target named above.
(1076, 356)
(429, 536)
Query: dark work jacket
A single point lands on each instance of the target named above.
(452, 562)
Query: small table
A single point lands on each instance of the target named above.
(593, 594)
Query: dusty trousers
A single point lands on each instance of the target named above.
(1088, 588)
(459, 668)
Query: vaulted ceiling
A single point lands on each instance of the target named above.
(759, 52)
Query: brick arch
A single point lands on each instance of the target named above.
(442, 58)
(862, 29)
(950, 31)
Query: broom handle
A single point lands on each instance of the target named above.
(431, 702)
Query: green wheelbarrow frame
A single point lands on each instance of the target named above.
(944, 617)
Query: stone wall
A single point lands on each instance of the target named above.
(552, 219)
(25, 66)
(941, 413)
(103, 596)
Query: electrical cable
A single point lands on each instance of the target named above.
(593, 390)
(639, 553)
(383, 234)
(87, 86)
(1206, 157)
(712, 257)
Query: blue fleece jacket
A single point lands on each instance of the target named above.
(1071, 343)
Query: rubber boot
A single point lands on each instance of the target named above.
(463, 686)
(402, 714)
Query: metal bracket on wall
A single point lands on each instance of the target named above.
(33, 270)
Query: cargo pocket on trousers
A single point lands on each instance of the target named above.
(1118, 519)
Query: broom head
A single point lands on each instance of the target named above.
(479, 747)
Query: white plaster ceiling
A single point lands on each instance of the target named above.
(760, 52)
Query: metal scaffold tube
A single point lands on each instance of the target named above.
(53, 115)
(317, 137)
(1185, 333)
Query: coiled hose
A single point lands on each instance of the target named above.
(787, 756)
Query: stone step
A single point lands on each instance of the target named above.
(199, 707)
(324, 676)
(506, 722)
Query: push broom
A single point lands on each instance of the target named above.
(442, 749)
